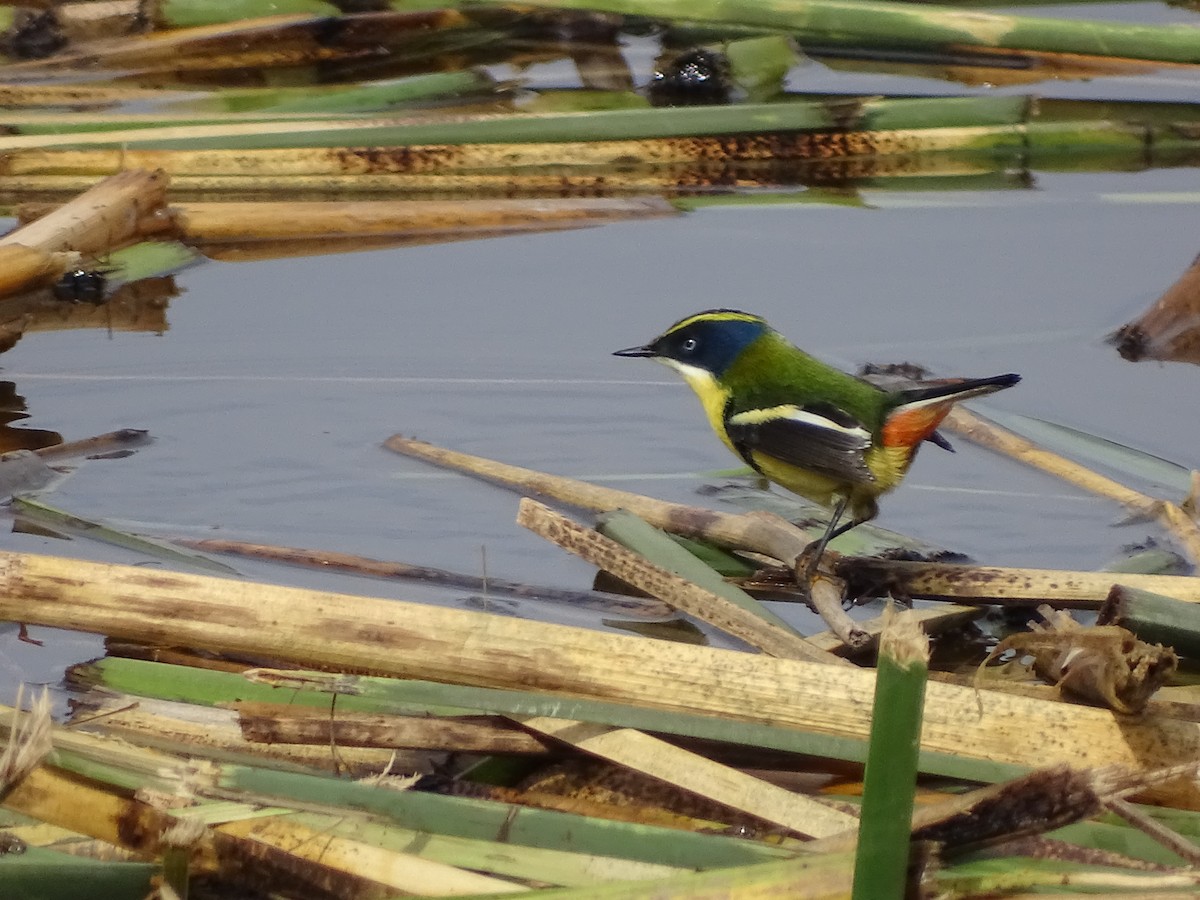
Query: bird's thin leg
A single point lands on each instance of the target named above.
(842, 529)
(816, 549)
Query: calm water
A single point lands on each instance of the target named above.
(269, 395)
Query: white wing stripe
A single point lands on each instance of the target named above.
(949, 398)
(800, 416)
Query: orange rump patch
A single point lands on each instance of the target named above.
(909, 425)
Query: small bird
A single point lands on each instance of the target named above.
(817, 431)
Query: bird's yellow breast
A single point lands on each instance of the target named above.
(813, 485)
(713, 396)
(888, 465)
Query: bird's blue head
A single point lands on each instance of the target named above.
(709, 340)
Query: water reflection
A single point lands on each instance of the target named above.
(13, 409)
(134, 306)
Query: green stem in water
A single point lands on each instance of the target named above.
(881, 864)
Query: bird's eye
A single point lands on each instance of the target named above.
(688, 346)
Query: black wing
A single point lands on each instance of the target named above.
(817, 437)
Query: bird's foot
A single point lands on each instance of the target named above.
(825, 593)
(815, 561)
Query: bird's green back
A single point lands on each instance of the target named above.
(772, 372)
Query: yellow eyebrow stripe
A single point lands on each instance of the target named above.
(723, 315)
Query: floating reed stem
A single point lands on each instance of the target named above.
(657, 547)
(99, 220)
(333, 561)
(881, 23)
(102, 219)
(274, 723)
(760, 532)
(463, 647)
(994, 584)
(122, 439)
(1154, 618)
(667, 586)
(697, 775)
(994, 437)
(231, 222)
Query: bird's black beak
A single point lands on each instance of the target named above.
(635, 351)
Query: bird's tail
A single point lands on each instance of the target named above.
(917, 412)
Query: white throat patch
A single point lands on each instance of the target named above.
(694, 375)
